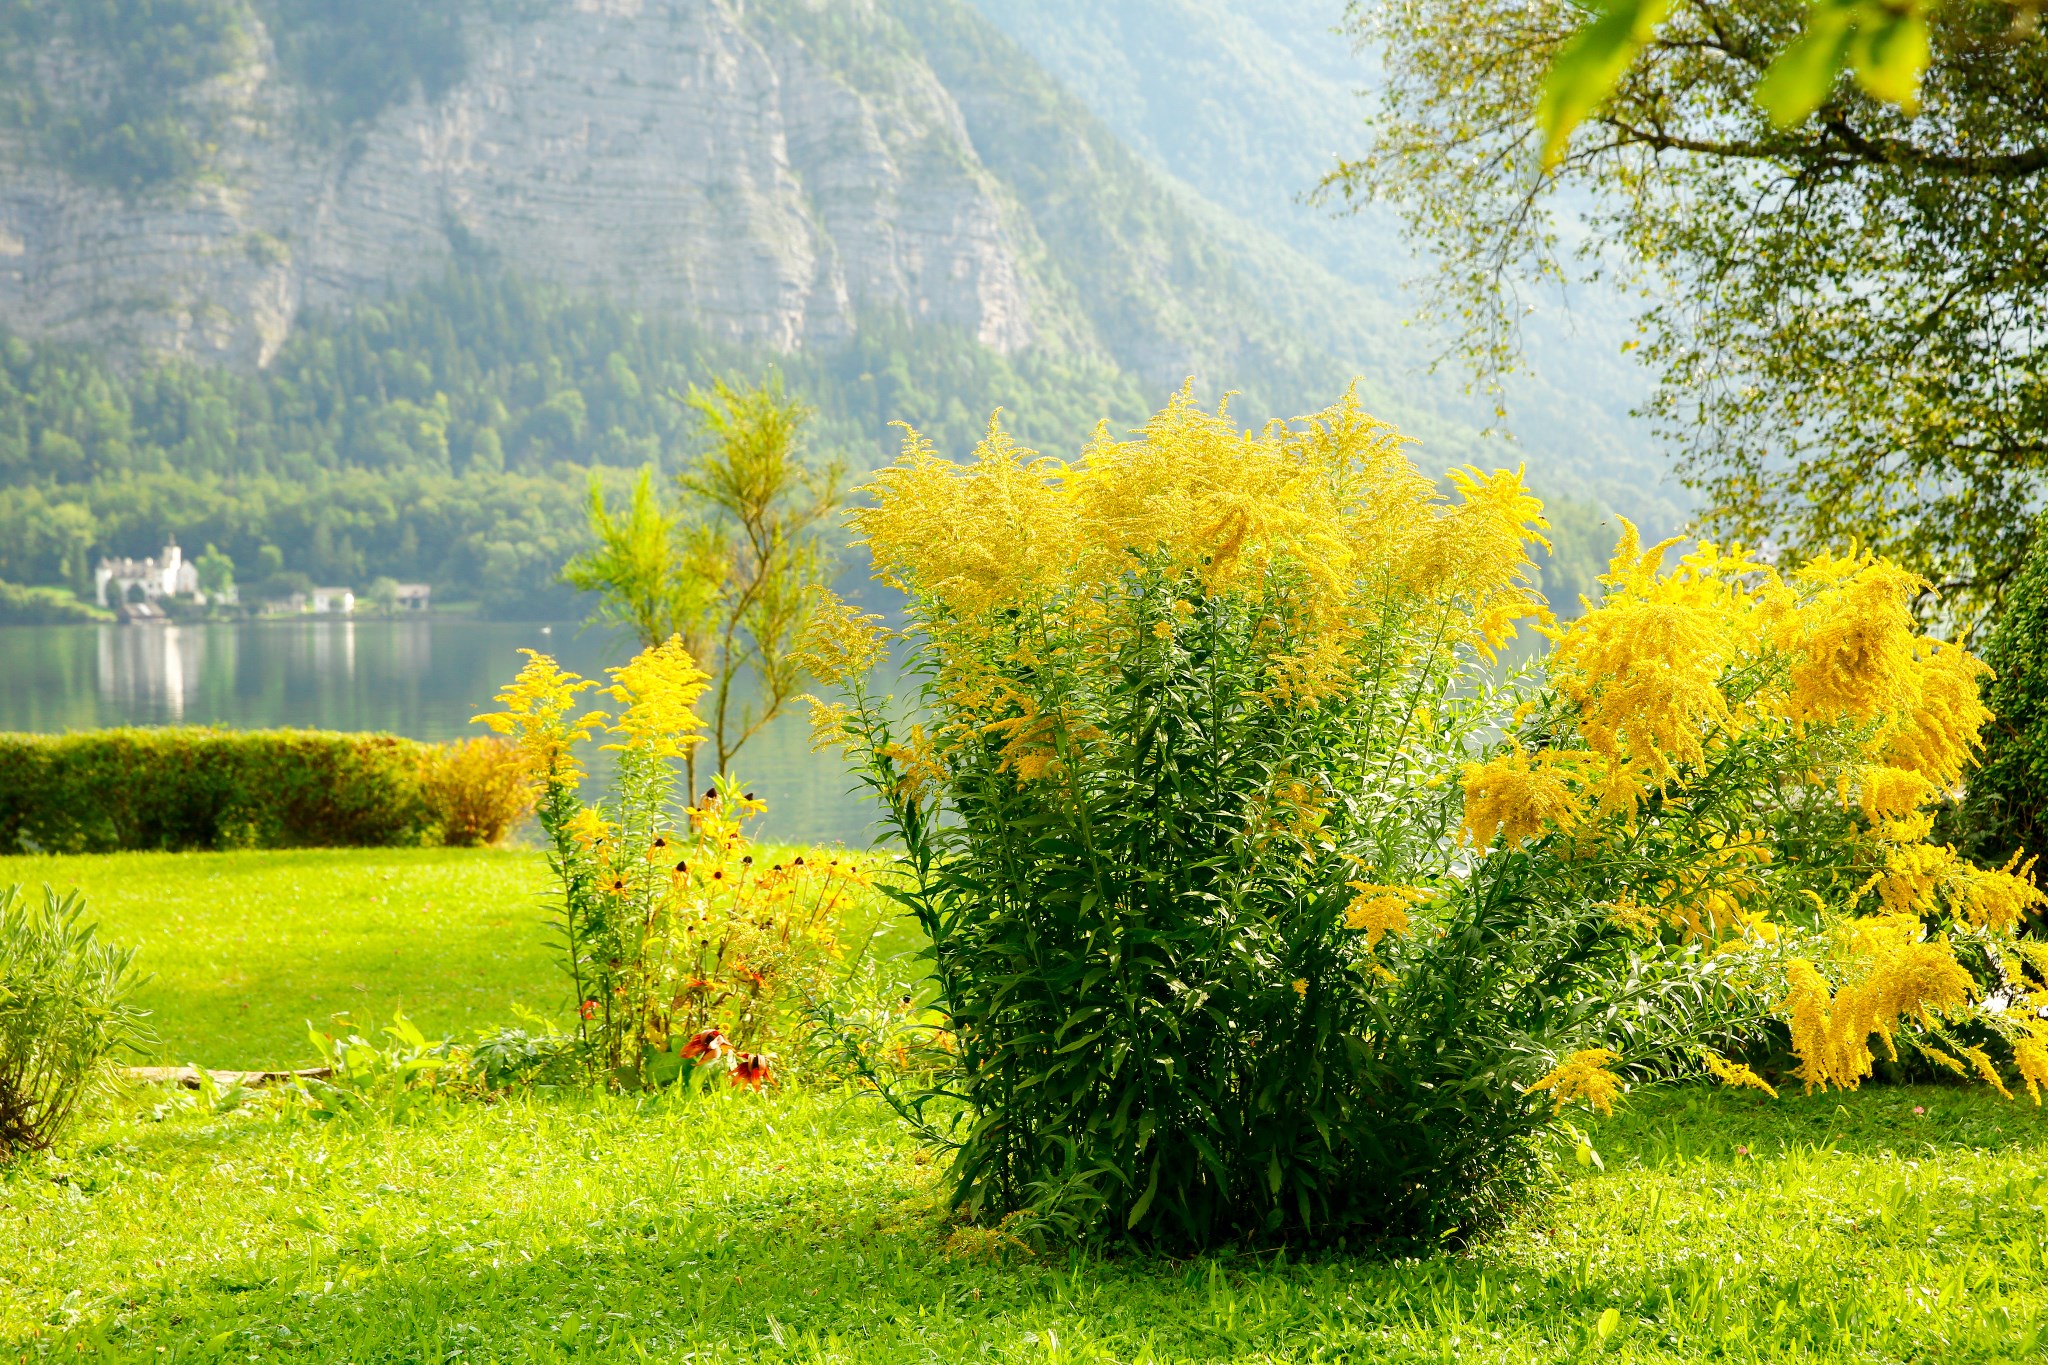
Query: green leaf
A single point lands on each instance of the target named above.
(1801, 76)
(661, 1066)
(1589, 65)
(1890, 57)
(1145, 1199)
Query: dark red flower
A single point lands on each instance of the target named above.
(751, 1069)
(590, 1009)
(709, 1045)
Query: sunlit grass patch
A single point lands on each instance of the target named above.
(810, 1227)
(247, 947)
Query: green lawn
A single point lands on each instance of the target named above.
(247, 947)
(808, 1227)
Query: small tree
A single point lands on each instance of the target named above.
(216, 573)
(731, 565)
(382, 595)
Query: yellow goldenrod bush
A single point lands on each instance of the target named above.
(1265, 900)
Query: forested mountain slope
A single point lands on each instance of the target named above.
(1249, 103)
(375, 283)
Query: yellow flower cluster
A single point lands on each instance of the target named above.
(840, 643)
(1735, 1073)
(918, 766)
(1901, 976)
(1519, 796)
(659, 688)
(1381, 910)
(1322, 520)
(1583, 1076)
(1673, 667)
(536, 715)
(1644, 667)
(1932, 879)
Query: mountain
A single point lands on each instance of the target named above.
(1249, 103)
(328, 243)
(769, 172)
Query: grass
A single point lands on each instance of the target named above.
(808, 1227)
(246, 948)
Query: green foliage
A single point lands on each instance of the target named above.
(186, 788)
(21, 606)
(446, 435)
(394, 1079)
(216, 572)
(124, 113)
(118, 117)
(359, 56)
(1849, 348)
(752, 520)
(1885, 43)
(2007, 808)
(64, 1010)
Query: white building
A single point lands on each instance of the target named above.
(339, 601)
(413, 596)
(167, 575)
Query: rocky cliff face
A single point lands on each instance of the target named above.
(682, 155)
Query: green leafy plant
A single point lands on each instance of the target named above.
(398, 1077)
(1262, 903)
(534, 1052)
(730, 568)
(64, 1011)
(1885, 44)
(2007, 809)
(681, 948)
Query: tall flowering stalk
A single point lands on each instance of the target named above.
(681, 952)
(1264, 901)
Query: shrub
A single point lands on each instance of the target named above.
(2007, 808)
(191, 788)
(63, 1011)
(21, 606)
(1261, 903)
(682, 950)
(477, 791)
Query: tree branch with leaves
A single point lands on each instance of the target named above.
(1837, 242)
(729, 561)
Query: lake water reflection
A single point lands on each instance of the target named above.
(422, 678)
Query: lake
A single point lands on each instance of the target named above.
(421, 678)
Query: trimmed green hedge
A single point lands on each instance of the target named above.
(190, 788)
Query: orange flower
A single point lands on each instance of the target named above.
(709, 1045)
(751, 1069)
